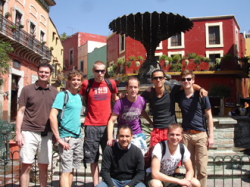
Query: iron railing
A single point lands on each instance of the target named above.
(17, 34)
(223, 171)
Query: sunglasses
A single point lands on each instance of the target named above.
(98, 71)
(186, 79)
(156, 78)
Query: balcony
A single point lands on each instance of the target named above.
(25, 45)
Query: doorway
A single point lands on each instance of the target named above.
(14, 97)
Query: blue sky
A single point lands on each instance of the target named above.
(94, 16)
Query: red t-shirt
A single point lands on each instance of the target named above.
(99, 102)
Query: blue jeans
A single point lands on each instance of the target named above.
(118, 183)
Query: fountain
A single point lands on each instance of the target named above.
(150, 29)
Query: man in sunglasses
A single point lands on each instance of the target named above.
(195, 111)
(99, 98)
(162, 103)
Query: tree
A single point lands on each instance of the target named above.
(64, 36)
(5, 50)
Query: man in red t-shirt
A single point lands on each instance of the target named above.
(99, 112)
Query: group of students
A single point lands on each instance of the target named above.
(41, 108)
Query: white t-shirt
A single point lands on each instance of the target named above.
(169, 162)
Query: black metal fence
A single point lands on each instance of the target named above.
(223, 171)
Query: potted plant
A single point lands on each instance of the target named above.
(176, 58)
(132, 58)
(7, 15)
(168, 60)
(14, 28)
(43, 42)
(21, 26)
(140, 58)
(51, 48)
(129, 64)
(120, 61)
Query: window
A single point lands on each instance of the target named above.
(42, 34)
(32, 28)
(181, 53)
(214, 54)
(122, 43)
(17, 64)
(159, 47)
(176, 41)
(71, 57)
(214, 35)
(53, 36)
(82, 66)
(1, 7)
(157, 56)
(18, 20)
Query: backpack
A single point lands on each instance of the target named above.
(66, 99)
(148, 155)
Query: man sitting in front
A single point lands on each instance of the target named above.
(123, 163)
(163, 166)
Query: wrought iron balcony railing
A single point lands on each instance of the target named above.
(17, 34)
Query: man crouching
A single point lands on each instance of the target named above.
(165, 160)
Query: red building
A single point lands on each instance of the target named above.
(217, 38)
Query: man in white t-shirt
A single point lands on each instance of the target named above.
(163, 167)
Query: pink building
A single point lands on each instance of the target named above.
(25, 25)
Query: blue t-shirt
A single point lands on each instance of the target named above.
(192, 112)
(72, 114)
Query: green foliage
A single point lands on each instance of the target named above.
(177, 58)
(228, 57)
(205, 59)
(244, 59)
(133, 58)
(129, 64)
(5, 49)
(120, 61)
(220, 90)
(64, 36)
(197, 60)
(7, 14)
(163, 57)
(192, 55)
(140, 58)
(177, 67)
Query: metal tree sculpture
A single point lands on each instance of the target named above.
(150, 29)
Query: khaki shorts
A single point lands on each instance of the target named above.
(72, 158)
(35, 144)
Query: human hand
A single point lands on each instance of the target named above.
(203, 92)
(185, 182)
(121, 95)
(19, 139)
(111, 142)
(210, 142)
(65, 145)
